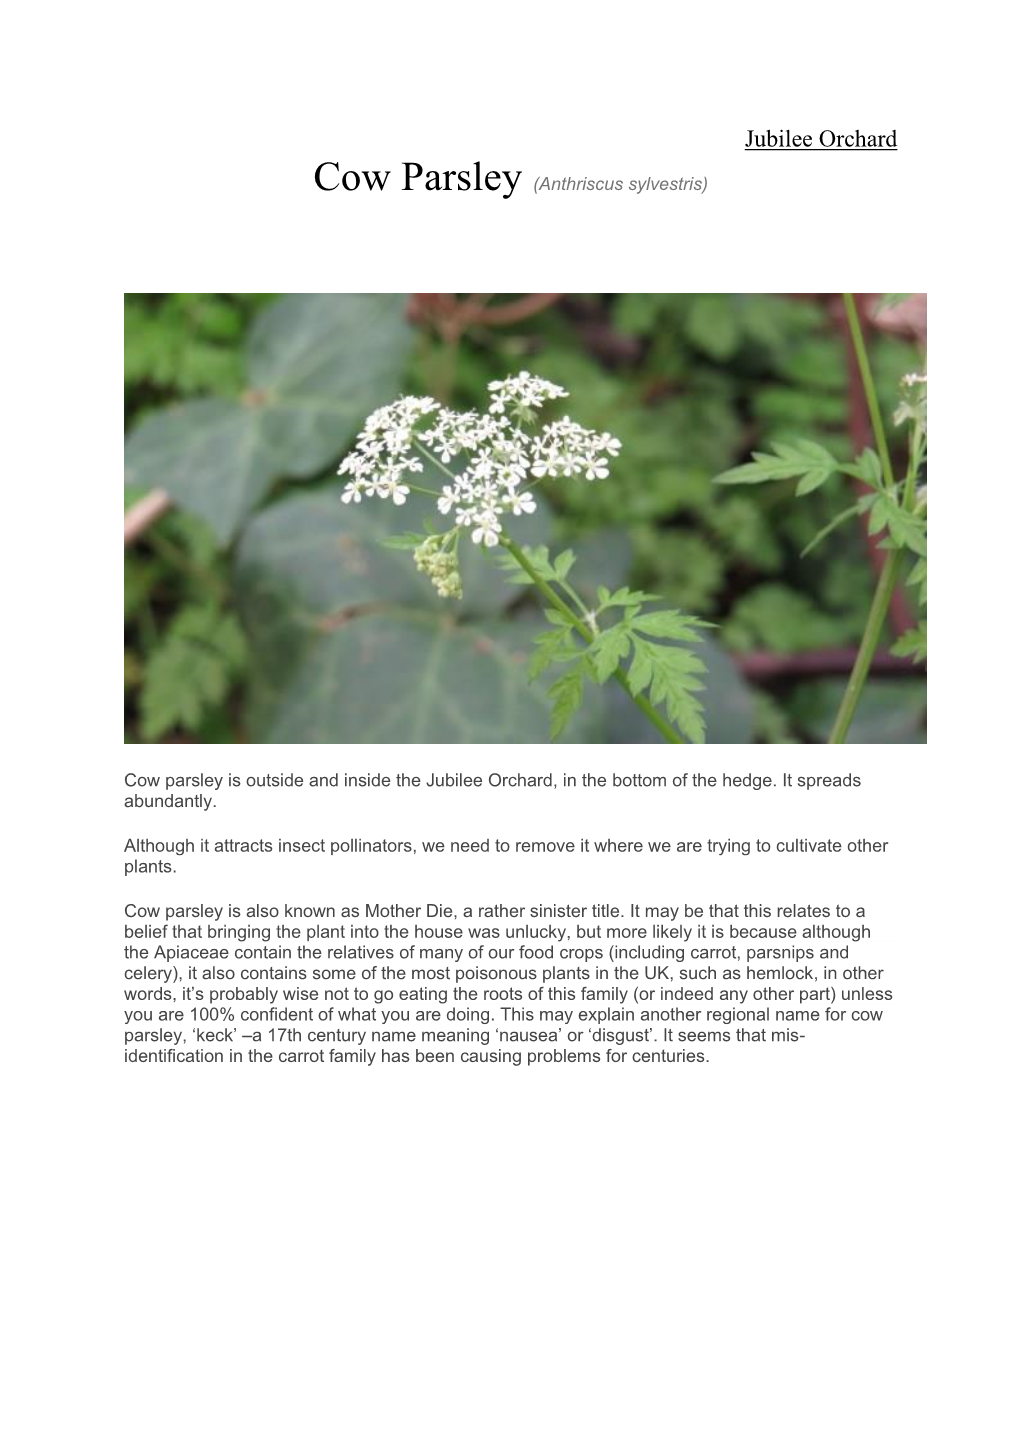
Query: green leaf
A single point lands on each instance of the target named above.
(317, 365)
(563, 564)
(811, 463)
(913, 643)
(608, 650)
(550, 648)
(867, 468)
(672, 676)
(566, 694)
(669, 624)
(324, 362)
(712, 325)
(906, 530)
(625, 597)
(351, 644)
(729, 705)
(208, 455)
(405, 541)
(675, 680)
(783, 620)
(190, 670)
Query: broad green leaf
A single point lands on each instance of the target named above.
(208, 455)
(323, 363)
(317, 365)
(401, 677)
(350, 643)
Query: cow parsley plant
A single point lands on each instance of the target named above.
(494, 461)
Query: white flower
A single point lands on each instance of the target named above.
(487, 531)
(523, 392)
(498, 457)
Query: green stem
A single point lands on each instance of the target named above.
(887, 580)
(556, 601)
(890, 572)
(870, 394)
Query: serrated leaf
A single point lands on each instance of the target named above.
(675, 680)
(913, 643)
(190, 670)
(550, 647)
(669, 624)
(728, 701)
(626, 597)
(641, 668)
(406, 541)
(566, 694)
(563, 564)
(867, 468)
(672, 676)
(806, 460)
(607, 652)
(905, 529)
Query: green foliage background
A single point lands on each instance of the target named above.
(259, 608)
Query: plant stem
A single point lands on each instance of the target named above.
(887, 580)
(890, 572)
(870, 394)
(641, 702)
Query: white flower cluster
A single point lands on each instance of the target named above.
(496, 454)
(383, 455)
(913, 404)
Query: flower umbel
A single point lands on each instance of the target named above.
(913, 404)
(435, 559)
(495, 451)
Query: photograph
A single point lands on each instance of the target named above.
(582, 518)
